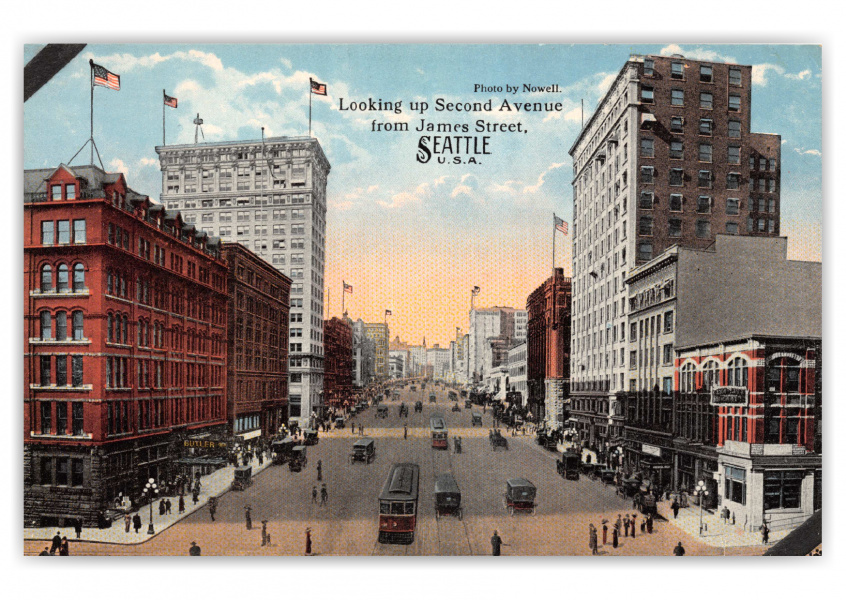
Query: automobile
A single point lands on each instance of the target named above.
(382, 412)
(447, 497)
(418, 406)
(353, 411)
(468, 404)
(433, 398)
(414, 388)
(456, 408)
(363, 450)
(569, 465)
(607, 475)
(340, 423)
(476, 419)
(597, 469)
(298, 459)
(645, 502)
(243, 478)
(628, 487)
(497, 440)
(520, 495)
(422, 386)
(281, 449)
(463, 393)
(310, 437)
(453, 397)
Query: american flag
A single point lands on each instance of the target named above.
(104, 77)
(388, 313)
(170, 101)
(347, 287)
(560, 224)
(318, 88)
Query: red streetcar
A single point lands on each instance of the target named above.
(440, 435)
(398, 505)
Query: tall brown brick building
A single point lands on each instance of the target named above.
(338, 362)
(257, 317)
(666, 159)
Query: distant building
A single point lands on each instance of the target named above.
(497, 321)
(257, 346)
(338, 362)
(438, 359)
(397, 361)
(363, 354)
(517, 370)
(380, 335)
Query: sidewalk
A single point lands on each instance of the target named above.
(716, 531)
(213, 484)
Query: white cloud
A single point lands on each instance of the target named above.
(801, 75)
(759, 73)
(420, 71)
(531, 189)
(810, 151)
(116, 165)
(148, 162)
(696, 53)
(288, 64)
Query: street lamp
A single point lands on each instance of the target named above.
(701, 492)
(150, 489)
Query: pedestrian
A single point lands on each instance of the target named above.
(319, 470)
(308, 541)
(248, 517)
(45, 552)
(649, 523)
(324, 495)
(618, 525)
(496, 544)
(77, 527)
(261, 458)
(615, 536)
(64, 549)
(56, 543)
(634, 518)
(136, 523)
(405, 432)
(675, 507)
(168, 506)
(194, 550)
(314, 494)
(161, 507)
(765, 533)
(678, 550)
(127, 522)
(626, 525)
(212, 508)
(592, 541)
(181, 505)
(264, 532)
(604, 531)
(195, 496)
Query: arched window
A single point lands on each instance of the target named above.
(688, 378)
(78, 325)
(710, 375)
(109, 283)
(62, 278)
(110, 327)
(46, 278)
(125, 337)
(140, 332)
(61, 325)
(46, 325)
(78, 277)
(783, 375)
(737, 372)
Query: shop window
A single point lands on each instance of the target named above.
(736, 485)
(782, 489)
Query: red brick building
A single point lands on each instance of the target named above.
(124, 342)
(257, 349)
(338, 362)
(548, 345)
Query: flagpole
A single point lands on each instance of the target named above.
(91, 77)
(309, 106)
(553, 244)
(343, 291)
(163, 118)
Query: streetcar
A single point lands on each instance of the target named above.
(440, 435)
(398, 505)
(447, 497)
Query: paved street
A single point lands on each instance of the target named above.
(347, 525)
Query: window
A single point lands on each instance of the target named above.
(646, 200)
(647, 95)
(675, 228)
(710, 375)
(61, 325)
(676, 177)
(737, 373)
(667, 385)
(677, 150)
(733, 128)
(78, 277)
(79, 231)
(734, 155)
(676, 202)
(704, 180)
(772, 205)
(647, 147)
(732, 228)
(77, 479)
(732, 206)
(782, 489)
(706, 100)
(771, 185)
(703, 204)
(77, 321)
(46, 233)
(677, 97)
(706, 73)
(645, 226)
(783, 376)
(62, 470)
(677, 124)
(46, 325)
(706, 126)
(648, 67)
(644, 251)
(207, 217)
(688, 377)
(668, 321)
(56, 192)
(734, 77)
(734, 102)
(703, 229)
(64, 232)
(46, 418)
(772, 164)
(46, 371)
(668, 354)
(735, 485)
(677, 70)
(62, 278)
(76, 371)
(733, 181)
(647, 174)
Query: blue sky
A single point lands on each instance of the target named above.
(444, 227)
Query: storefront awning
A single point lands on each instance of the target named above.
(249, 434)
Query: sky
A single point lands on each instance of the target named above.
(410, 237)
